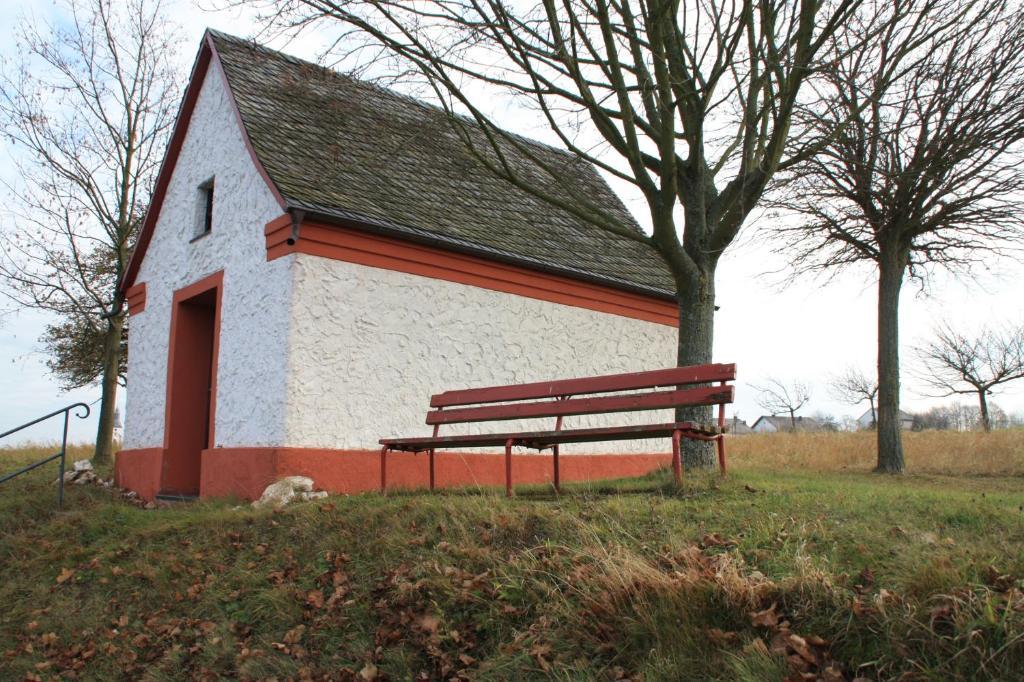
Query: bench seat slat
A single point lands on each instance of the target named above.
(540, 439)
(675, 376)
(705, 395)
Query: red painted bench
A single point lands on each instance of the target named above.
(684, 387)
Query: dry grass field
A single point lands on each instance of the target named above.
(800, 565)
(972, 453)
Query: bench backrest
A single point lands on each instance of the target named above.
(562, 398)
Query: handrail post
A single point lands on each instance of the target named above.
(63, 455)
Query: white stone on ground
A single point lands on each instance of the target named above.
(287, 490)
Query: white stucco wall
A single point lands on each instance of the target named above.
(369, 347)
(254, 315)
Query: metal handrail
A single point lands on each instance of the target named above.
(63, 447)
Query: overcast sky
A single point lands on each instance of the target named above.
(806, 331)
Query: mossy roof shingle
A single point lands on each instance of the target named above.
(350, 149)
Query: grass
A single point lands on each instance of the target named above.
(776, 571)
(973, 453)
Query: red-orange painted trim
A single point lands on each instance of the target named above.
(135, 298)
(354, 246)
(139, 470)
(214, 281)
(207, 51)
(245, 472)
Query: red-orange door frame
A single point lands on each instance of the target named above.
(191, 406)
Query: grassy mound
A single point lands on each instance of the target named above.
(764, 576)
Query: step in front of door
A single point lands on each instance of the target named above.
(168, 496)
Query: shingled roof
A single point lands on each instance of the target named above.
(340, 147)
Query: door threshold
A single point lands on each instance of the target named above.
(176, 497)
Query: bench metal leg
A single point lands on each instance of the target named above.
(383, 470)
(721, 434)
(677, 460)
(508, 468)
(430, 456)
(558, 483)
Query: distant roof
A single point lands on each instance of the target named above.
(737, 425)
(339, 147)
(904, 416)
(783, 422)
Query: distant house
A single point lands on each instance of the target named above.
(775, 424)
(737, 426)
(867, 420)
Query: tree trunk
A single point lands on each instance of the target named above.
(792, 421)
(108, 399)
(696, 297)
(986, 423)
(892, 264)
(874, 415)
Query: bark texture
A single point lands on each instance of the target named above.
(890, 442)
(112, 349)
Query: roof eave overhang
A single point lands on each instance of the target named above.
(417, 236)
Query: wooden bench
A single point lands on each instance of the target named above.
(684, 387)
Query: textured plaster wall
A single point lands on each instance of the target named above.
(254, 317)
(369, 347)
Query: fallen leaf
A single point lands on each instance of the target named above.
(799, 645)
(539, 652)
(765, 619)
(716, 540)
(65, 575)
(294, 635)
(721, 638)
(832, 674)
(315, 598)
(814, 640)
(428, 623)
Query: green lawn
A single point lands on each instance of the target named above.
(765, 575)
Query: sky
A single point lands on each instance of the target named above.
(806, 331)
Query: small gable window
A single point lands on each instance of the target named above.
(204, 217)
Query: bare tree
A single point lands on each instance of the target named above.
(86, 108)
(957, 364)
(854, 387)
(690, 103)
(779, 398)
(826, 421)
(923, 163)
